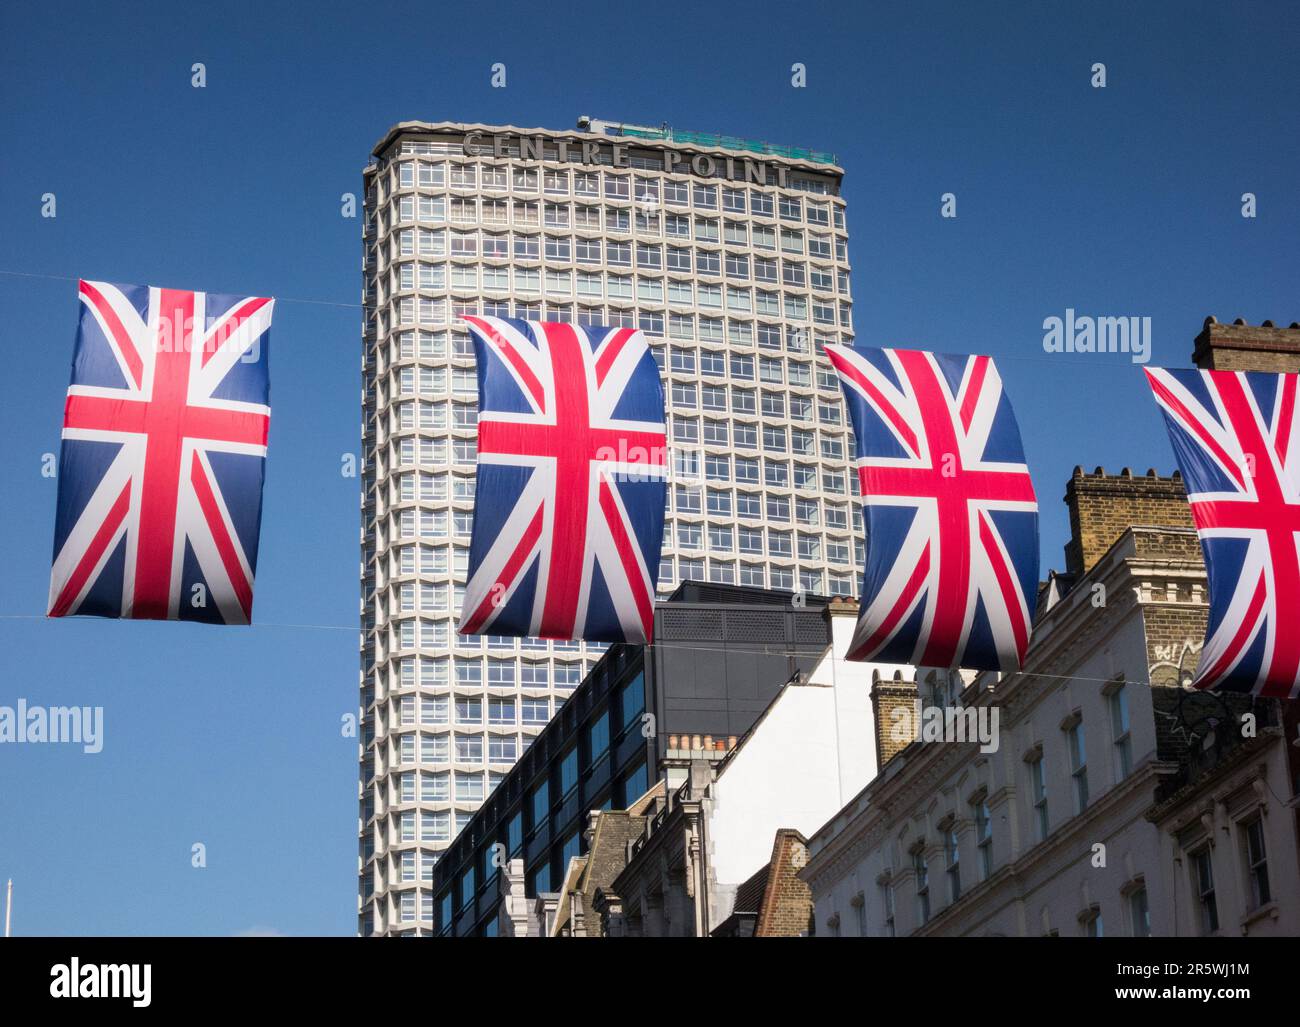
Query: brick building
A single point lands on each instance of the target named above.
(775, 902)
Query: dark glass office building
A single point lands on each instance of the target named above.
(721, 653)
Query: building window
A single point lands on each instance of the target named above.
(1257, 863)
(634, 785)
(502, 749)
(469, 748)
(1203, 883)
(887, 905)
(469, 787)
(598, 737)
(1078, 764)
(921, 870)
(568, 772)
(1091, 921)
(984, 837)
(632, 699)
(467, 887)
(541, 804)
(860, 907)
(1139, 912)
(952, 857)
(469, 709)
(535, 711)
(1119, 722)
(1038, 793)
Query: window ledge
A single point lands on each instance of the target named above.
(1268, 911)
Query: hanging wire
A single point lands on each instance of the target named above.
(1077, 358)
(766, 650)
(339, 627)
(278, 299)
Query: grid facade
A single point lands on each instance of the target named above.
(735, 265)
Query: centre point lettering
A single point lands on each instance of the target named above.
(588, 151)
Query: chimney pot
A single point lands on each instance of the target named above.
(1241, 346)
(731, 741)
(1102, 507)
(708, 741)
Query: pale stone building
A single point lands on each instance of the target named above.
(1118, 800)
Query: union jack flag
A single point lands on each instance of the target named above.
(1237, 439)
(164, 449)
(950, 512)
(569, 502)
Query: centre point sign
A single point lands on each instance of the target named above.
(591, 151)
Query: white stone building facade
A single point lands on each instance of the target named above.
(1111, 807)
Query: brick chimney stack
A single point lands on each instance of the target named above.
(1243, 347)
(887, 695)
(1103, 506)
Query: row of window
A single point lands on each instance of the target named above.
(533, 649)
(682, 395)
(471, 709)
(776, 439)
(1253, 854)
(613, 185)
(468, 748)
(718, 502)
(469, 244)
(412, 865)
(728, 539)
(740, 367)
(687, 499)
(791, 274)
(433, 671)
(691, 500)
(555, 220)
(440, 345)
(792, 307)
(654, 323)
(729, 572)
(882, 912)
(688, 466)
(651, 289)
(436, 825)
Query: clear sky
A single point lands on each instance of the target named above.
(1122, 201)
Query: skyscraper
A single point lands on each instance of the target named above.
(731, 254)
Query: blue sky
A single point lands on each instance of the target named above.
(1115, 201)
